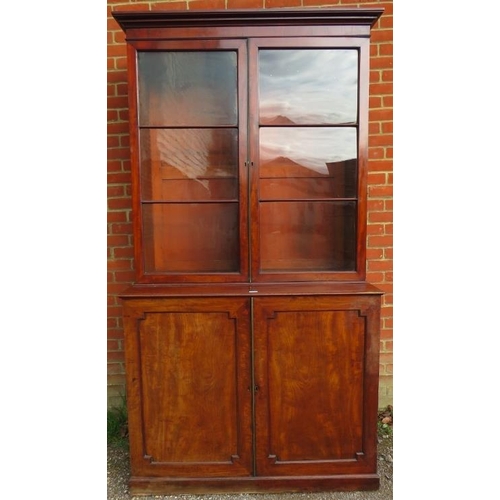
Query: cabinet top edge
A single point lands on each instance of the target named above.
(247, 17)
(249, 290)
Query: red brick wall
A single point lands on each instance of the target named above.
(379, 253)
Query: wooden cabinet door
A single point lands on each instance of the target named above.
(316, 374)
(188, 386)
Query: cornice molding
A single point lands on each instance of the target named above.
(247, 17)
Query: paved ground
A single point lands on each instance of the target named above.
(119, 472)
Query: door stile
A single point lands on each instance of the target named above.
(253, 142)
(363, 107)
(243, 85)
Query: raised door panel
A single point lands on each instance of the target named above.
(189, 381)
(313, 377)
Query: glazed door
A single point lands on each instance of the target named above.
(316, 377)
(192, 148)
(252, 159)
(308, 169)
(189, 386)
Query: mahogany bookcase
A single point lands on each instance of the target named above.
(251, 334)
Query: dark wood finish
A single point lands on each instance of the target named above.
(190, 204)
(344, 17)
(250, 289)
(278, 183)
(185, 237)
(190, 390)
(339, 243)
(182, 231)
(298, 236)
(251, 336)
(188, 383)
(256, 484)
(314, 367)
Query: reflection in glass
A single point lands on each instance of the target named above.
(187, 88)
(308, 86)
(189, 164)
(308, 236)
(305, 152)
(189, 237)
(340, 182)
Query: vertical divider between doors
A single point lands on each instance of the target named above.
(253, 150)
(248, 163)
(252, 365)
(250, 55)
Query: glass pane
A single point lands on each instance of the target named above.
(308, 86)
(298, 162)
(308, 236)
(187, 88)
(191, 237)
(189, 164)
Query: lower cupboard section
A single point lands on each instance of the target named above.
(271, 393)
